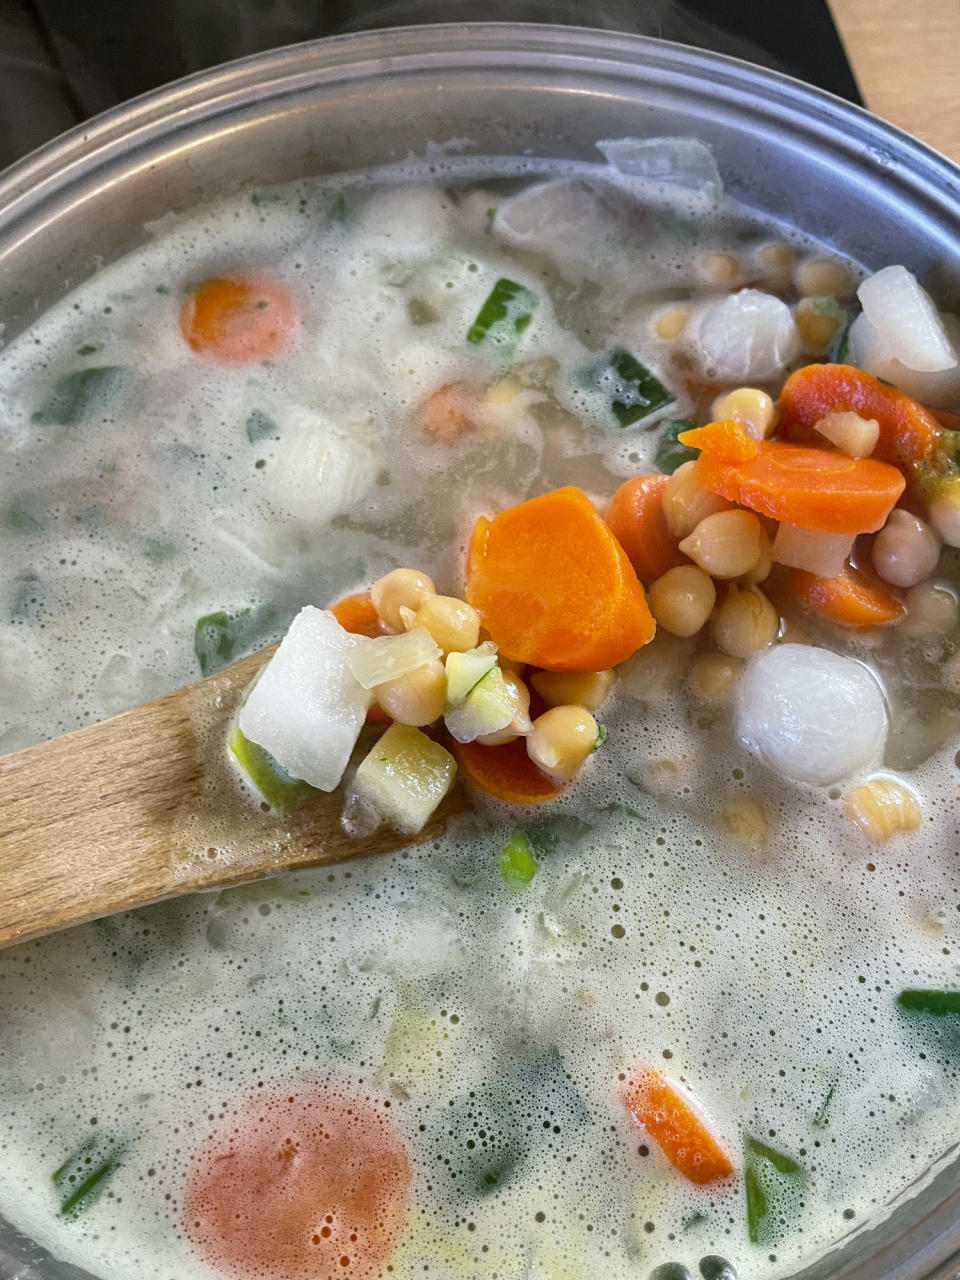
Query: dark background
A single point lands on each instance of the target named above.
(62, 61)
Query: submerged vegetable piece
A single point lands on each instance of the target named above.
(937, 1003)
(851, 598)
(672, 1121)
(357, 614)
(774, 1184)
(629, 388)
(219, 638)
(516, 861)
(812, 488)
(554, 587)
(636, 519)
(670, 454)
(404, 777)
(488, 708)
(504, 317)
(726, 440)
(299, 1185)
(282, 792)
(505, 772)
(84, 1175)
(909, 433)
(77, 394)
(238, 319)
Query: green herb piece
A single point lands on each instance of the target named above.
(162, 288)
(76, 395)
(670, 453)
(258, 198)
(260, 426)
(29, 597)
(280, 790)
(339, 212)
(694, 1220)
(89, 349)
(827, 305)
(488, 220)
(548, 834)
(220, 637)
(159, 550)
(822, 1117)
(25, 514)
(631, 391)
(92, 518)
(937, 1003)
(516, 861)
(83, 1176)
(774, 1184)
(843, 347)
(504, 316)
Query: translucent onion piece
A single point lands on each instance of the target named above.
(390, 657)
(322, 468)
(744, 337)
(822, 553)
(907, 323)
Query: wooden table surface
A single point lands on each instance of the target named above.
(904, 57)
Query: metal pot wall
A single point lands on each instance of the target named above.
(355, 101)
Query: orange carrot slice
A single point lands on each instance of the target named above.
(852, 599)
(637, 521)
(506, 772)
(238, 319)
(554, 587)
(356, 614)
(445, 414)
(672, 1121)
(726, 440)
(813, 488)
(909, 433)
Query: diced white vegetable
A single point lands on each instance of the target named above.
(822, 553)
(390, 657)
(404, 777)
(867, 351)
(307, 708)
(681, 162)
(812, 715)
(322, 468)
(907, 323)
(466, 670)
(489, 707)
(855, 436)
(743, 337)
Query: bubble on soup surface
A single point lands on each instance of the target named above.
(811, 715)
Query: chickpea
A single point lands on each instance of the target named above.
(560, 688)
(726, 544)
(852, 434)
(945, 512)
(713, 676)
(815, 325)
(753, 409)
(744, 622)
(719, 270)
(671, 323)
(906, 549)
(686, 502)
(882, 807)
(403, 588)
(932, 609)
(761, 570)
(776, 262)
(817, 277)
(454, 624)
(561, 740)
(746, 823)
(521, 723)
(682, 599)
(416, 698)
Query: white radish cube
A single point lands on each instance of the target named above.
(307, 708)
(810, 714)
(906, 321)
(404, 777)
(824, 554)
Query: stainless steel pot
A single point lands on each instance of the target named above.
(354, 101)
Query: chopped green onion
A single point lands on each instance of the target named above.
(937, 1003)
(693, 1221)
(504, 316)
(280, 790)
(77, 394)
(220, 637)
(822, 1117)
(773, 1182)
(260, 426)
(488, 221)
(632, 392)
(83, 1176)
(516, 861)
(89, 349)
(670, 453)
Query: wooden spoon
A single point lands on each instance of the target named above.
(144, 806)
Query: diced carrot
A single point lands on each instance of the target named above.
(238, 319)
(909, 433)
(554, 587)
(813, 488)
(672, 1121)
(506, 772)
(852, 599)
(726, 440)
(637, 521)
(445, 414)
(356, 614)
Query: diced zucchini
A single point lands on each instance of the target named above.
(281, 791)
(77, 394)
(404, 777)
(466, 670)
(516, 861)
(488, 708)
(628, 387)
(504, 317)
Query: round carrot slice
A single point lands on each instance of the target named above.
(637, 522)
(506, 772)
(310, 1184)
(237, 319)
(851, 598)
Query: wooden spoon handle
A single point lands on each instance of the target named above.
(143, 807)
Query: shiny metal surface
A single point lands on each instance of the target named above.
(361, 100)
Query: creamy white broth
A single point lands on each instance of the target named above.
(763, 978)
